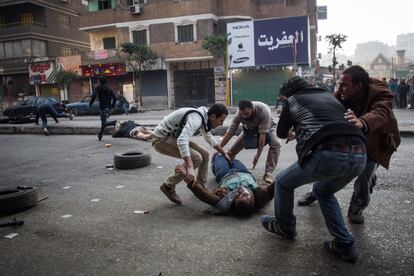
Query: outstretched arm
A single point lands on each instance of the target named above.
(199, 190)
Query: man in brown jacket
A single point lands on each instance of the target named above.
(369, 107)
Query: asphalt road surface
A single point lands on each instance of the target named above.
(105, 237)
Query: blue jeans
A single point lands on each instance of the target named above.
(221, 167)
(333, 171)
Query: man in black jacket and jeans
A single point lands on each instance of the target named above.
(331, 152)
(107, 100)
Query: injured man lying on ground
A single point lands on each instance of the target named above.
(130, 129)
(237, 190)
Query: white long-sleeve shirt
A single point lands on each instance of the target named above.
(171, 122)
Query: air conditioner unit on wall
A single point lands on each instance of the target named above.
(134, 9)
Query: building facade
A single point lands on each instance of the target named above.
(187, 75)
(32, 35)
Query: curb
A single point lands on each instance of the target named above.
(84, 130)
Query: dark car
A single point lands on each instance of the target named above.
(82, 107)
(28, 107)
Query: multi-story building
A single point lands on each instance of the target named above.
(36, 32)
(187, 75)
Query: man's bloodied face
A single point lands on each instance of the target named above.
(347, 89)
(243, 195)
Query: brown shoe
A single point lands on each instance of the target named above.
(268, 178)
(171, 194)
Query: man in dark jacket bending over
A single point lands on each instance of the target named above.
(331, 151)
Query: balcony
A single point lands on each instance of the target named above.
(17, 28)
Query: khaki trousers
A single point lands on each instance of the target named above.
(199, 156)
(272, 155)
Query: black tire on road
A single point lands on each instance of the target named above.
(17, 199)
(74, 112)
(132, 160)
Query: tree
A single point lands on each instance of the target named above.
(335, 41)
(216, 44)
(64, 79)
(139, 59)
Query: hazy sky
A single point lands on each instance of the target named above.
(366, 20)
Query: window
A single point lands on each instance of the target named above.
(109, 43)
(139, 37)
(65, 51)
(27, 47)
(39, 48)
(27, 18)
(104, 4)
(2, 55)
(185, 33)
(8, 48)
(64, 21)
(17, 48)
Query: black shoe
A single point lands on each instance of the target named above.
(355, 217)
(270, 224)
(347, 252)
(46, 132)
(100, 136)
(307, 199)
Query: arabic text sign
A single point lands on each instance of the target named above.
(281, 41)
(241, 44)
(41, 72)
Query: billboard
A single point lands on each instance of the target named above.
(278, 41)
(241, 44)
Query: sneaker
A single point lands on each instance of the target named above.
(347, 252)
(355, 217)
(46, 132)
(100, 136)
(71, 117)
(307, 199)
(171, 194)
(268, 178)
(270, 224)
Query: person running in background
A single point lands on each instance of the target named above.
(107, 101)
(46, 108)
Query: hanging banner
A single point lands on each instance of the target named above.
(42, 72)
(279, 41)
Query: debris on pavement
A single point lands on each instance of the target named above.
(12, 222)
(108, 145)
(120, 186)
(11, 235)
(159, 167)
(67, 216)
(95, 199)
(141, 212)
(66, 187)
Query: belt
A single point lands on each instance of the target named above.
(343, 148)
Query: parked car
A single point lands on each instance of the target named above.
(28, 107)
(82, 107)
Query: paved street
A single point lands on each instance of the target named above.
(105, 237)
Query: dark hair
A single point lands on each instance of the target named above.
(102, 80)
(359, 75)
(218, 110)
(243, 208)
(245, 103)
(292, 86)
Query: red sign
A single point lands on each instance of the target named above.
(99, 70)
(39, 67)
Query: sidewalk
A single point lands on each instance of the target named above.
(90, 125)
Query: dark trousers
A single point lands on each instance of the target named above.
(363, 187)
(105, 113)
